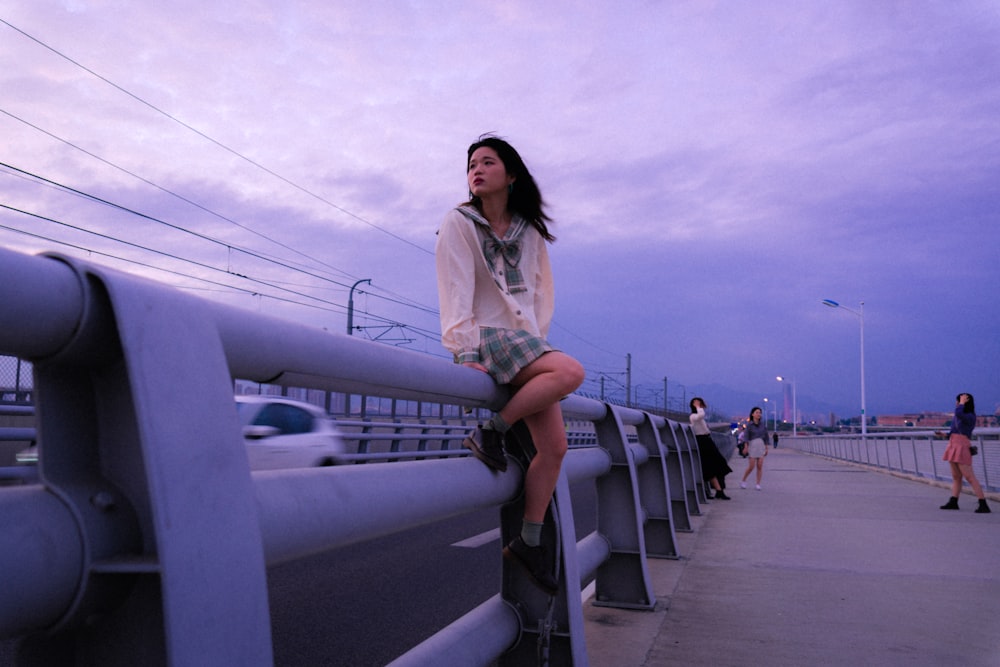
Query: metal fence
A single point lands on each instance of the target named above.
(15, 381)
(912, 452)
(114, 556)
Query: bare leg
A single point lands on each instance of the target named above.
(549, 435)
(542, 383)
(540, 387)
(760, 469)
(966, 471)
(956, 479)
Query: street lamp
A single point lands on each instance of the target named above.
(861, 316)
(795, 407)
(350, 304)
(775, 406)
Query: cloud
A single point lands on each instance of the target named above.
(714, 170)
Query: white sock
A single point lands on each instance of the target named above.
(531, 533)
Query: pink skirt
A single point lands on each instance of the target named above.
(957, 450)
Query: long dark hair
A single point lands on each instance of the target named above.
(755, 409)
(970, 405)
(694, 400)
(525, 198)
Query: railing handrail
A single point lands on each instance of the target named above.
(917, 453)
(128, 487)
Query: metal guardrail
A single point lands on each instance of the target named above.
(912, 452)
(114, 555)
(373, 441)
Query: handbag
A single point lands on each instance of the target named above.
(973, 449)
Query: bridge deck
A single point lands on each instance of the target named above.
(829, 564)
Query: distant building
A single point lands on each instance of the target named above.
(930, 420)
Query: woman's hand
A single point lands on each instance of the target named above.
(476, 365)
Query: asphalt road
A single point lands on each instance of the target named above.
(368, 604)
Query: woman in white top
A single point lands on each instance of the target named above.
(714, 467)
(496, 296)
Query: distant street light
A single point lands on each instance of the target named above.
(350, 305)
(795, 407)
(775, 406)
(861, 316)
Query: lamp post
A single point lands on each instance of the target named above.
(350, 305)
(861, 317)
(775, 406)
(795, 407)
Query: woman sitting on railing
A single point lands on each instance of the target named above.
(496, 295)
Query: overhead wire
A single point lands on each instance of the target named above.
(329, 307)
(154, 251)
(403, 300)
(215, 141)
(163, 189)
(250, 161)
(268, 258)
(125, 209)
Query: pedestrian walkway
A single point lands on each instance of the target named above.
(829, 564)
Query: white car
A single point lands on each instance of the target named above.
(283, 433)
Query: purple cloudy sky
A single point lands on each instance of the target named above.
(714, 169)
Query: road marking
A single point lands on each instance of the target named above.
(479, 540)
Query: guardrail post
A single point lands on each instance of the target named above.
(654, 490)
(154, 468)
(552, 624)
(692, 445)
(678, 483)
(623, 580)
(691, 477)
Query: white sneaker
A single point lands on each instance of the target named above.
(758, 487)
(743, 485)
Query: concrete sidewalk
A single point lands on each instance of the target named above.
(829, 564)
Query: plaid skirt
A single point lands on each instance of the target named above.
(504, 352)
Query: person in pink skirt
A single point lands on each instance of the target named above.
(959, 456)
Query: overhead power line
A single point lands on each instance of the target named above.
(164, 190)
(333, 307)
(246, 159)
(184, 230)
(217, 142)
(249, 252)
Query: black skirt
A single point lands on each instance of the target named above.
(712, 462)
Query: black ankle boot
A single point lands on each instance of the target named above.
(983, 507)
(952, 504)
